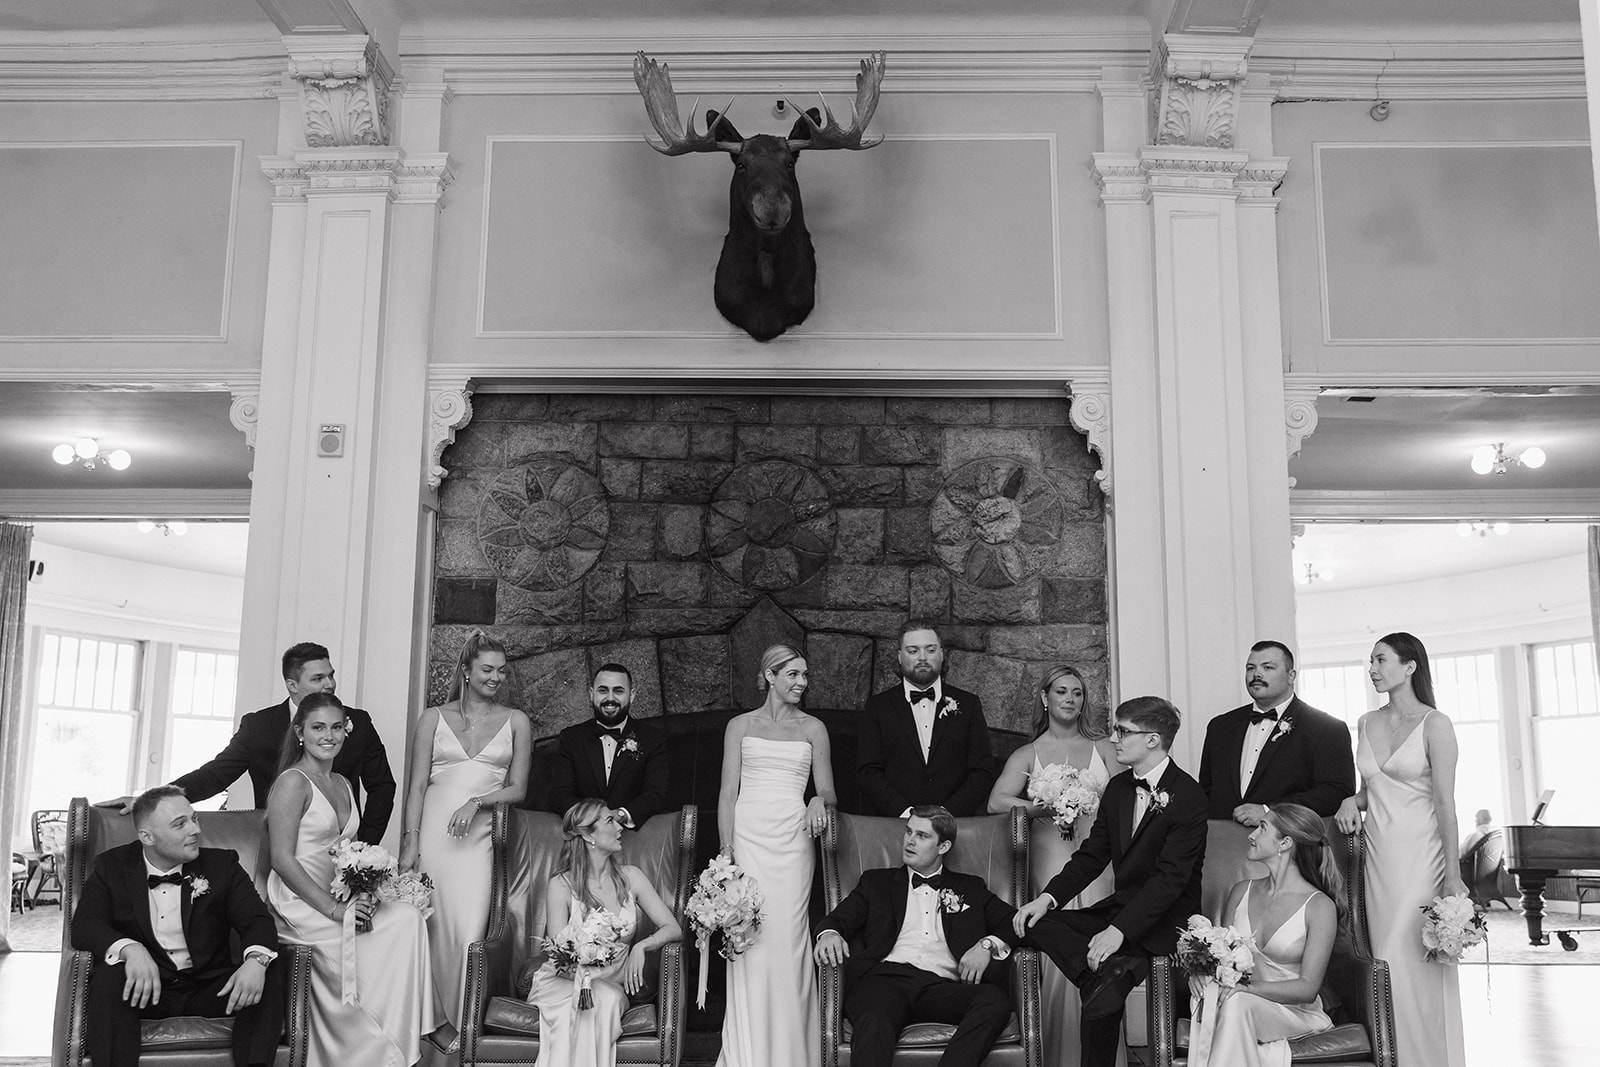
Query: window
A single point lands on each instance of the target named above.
(1340, 690)
(1467, 688)
(87, 719)
(1564, 679)
(202, 709)
(1566, 729)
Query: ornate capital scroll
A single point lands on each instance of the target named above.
(1090, 414)
(243, 413)
(1198, 82)
(1299, 415)
(449, 409)
(344, 88)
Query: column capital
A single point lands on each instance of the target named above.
(449, 409)
(344, 83)
(1089, 411)
(414, 178)
(1198, 80)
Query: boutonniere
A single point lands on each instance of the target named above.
(1282, 729)
(630, 746)
(1159, 799)
(950, 902)
(198, 887)
(949, 707)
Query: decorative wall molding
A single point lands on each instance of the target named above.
(1261, 176)
(449, 409)
(1197, 88)
(124, 503)
(417, 178)
(243, 413)
(1444, 505)
(169, 380)
(1178, 168)
(1299, 415)
(1090, 413)
(344, 83)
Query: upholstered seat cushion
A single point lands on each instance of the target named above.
(518, 1018)
(919, 1035)
(1342, 1044)
(186, 1032)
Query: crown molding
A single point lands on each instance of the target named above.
(1441, 505)
(93, 77)
(1529, 382)
(1454, 71)
(112, 379)
(97, 503)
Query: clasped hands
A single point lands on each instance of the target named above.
(833, 950)
(141, 986)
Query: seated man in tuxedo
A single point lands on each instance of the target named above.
(612, 757)
(1275, 750)
(157, 914)
(923, 742)
(920, 943)
(255, 745)
(1151, 828)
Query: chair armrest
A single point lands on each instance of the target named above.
(671, 1004)
(297, 1002)
(72, 1010)
(488, 975)
(1027, 977)
(1369, 997)
(830, 989)
(1161, 1011)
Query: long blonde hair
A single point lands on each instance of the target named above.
(582, 817)
(1092, 727)
(476, 644)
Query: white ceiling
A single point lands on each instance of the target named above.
(211, 547)
(1363, 555)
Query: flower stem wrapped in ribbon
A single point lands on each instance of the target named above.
(1214, 958)
(1450, 926)
(358, 869)
(585, 945)
(726, 901)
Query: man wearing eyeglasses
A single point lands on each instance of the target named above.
(1151, 828)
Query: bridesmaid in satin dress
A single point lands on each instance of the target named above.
(1406, 753)
(1067, 732)
(466, 756)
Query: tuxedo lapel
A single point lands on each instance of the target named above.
(138, 887)
(186, 899)
(908, 719)
(1124, 810)
(597, 758)
(1269, 751)
(900, 889)
(1233, 751)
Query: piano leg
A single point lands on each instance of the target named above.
(1531, 885)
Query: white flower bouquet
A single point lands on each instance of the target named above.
(411, 888)
(1067, 793)
(359, 868)
(1450, 926)
(1220, 953)
(584, 945)
(725, 901)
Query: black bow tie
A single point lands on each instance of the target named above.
(919, 695)
(1258, 716)
(1143, 786)
(614, 731)
(165, 879)
(933, 881)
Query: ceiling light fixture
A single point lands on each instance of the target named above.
(174, 528)
(86, 453)
(1492, 459)
(1482, 529)
(1313, 573)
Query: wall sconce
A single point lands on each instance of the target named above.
(168, 529)
(1482, 529)
(1311, 573)
(86, 453)
(1492, 459)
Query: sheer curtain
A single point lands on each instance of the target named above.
(15, 542)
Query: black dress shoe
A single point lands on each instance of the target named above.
(1104, 994)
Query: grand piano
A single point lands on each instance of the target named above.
(1535, 854)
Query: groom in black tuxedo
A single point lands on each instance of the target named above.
(923, 742)
(1151, 828)
(613, 757)
(920, 943)
(158, 914)
(1275, 750)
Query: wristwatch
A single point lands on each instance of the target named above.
(260, 958)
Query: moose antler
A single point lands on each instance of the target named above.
(661, 104)
(830, 134)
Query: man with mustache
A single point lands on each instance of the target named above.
(1275, 750)
(612, 757)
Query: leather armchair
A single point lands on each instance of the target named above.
(183, 1041)
(993, 847)
(498, 1025)
(1356, 990)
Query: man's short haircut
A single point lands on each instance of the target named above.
(1288, 657)
(146, 803)
(944, 824)
(913, 624)
(299, 655)
(1154, 714)
(611, 668)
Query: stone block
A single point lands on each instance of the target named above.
(645, 440)
(1074, 600)
(1030, 411)
(604, 592)
(811, 593)
(639, 656)
(554, 689)
(965, 444)
(444, 642)
(1079, 497)
(509, 407)
(666, 585)
(1059, 643)
(930, 592)
(886, 658)
(873, 624)
(862, 486)
(906, 538)
(853, 586)
(1066, 447)
(700, 409)
(969, 638)
(681, 531)
(775, 442)
(939, 410)
(680, 622)
(621, 478)
(681, 481)
(1080, 553)
(820, 410)
(440, 674)
(1018, 604)
(461, 492)
(457, 553)
(761, 627)
(527, 440)
(840, 670)
(696, 674)
(922, 484)
(724, 592)
(527, 607)
(1002, 685)
(477, 444)
(711, 441)
(860, 537)
(901, 444)
(633, 532)
(839, 444)
(464, 600)
(599, 407)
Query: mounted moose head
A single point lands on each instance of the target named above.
(767, 276)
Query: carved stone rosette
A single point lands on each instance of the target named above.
(449, 409)
(344, 89)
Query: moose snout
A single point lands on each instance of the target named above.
(770, 210)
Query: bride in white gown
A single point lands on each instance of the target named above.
(768, 755)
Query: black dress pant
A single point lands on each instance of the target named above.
(890, 995)
(1064, 936)
(113, 1039)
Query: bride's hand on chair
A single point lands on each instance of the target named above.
(816, 816)
(633, 970)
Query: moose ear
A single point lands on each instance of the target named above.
(720, 128)
(803, 130)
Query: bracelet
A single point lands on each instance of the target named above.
(477, 802)
(403, 836)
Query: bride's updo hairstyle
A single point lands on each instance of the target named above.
(476, 644)
(1094, 727)
(290, 752)
(773, 659)
(1313, 852)
(581, 819)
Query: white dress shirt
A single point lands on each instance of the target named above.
(921, 943)
(1141, 797)
(166, 919)
(1255, 740)
(924, 712)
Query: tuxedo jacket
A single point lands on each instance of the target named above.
(638, 777)
(254, 749)
(891, 772)
(115, 904)
(1157, 867)
(1308, 761)
(871, 917)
